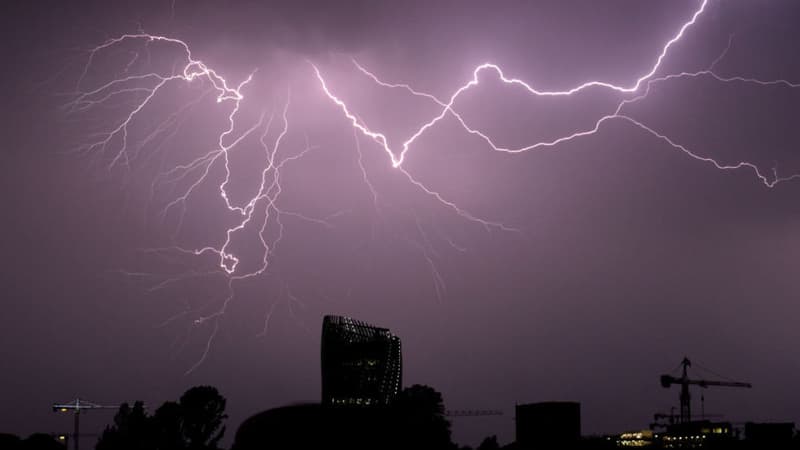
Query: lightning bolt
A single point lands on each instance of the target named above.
(262, 212)
(641, 86)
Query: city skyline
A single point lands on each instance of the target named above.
(547, 201)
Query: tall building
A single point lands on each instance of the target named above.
(361, 363)
(551, 425)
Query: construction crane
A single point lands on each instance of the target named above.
(76, 407)
(473, 412)
(685, 381)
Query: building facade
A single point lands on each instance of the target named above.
(361, 363)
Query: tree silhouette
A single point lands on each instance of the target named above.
(166, 427)
(420, 418)
(202, 411)
(489, 443)
(193, 423)
(130, 431)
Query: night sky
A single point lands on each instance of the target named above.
(628, 253)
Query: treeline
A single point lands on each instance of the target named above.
(415, 420)
(195, 422)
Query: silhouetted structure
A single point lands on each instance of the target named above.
(548, 425)
(699, 434)
(314, 426)
(361, 363)
(769, 435)
(415, 420)
(76, 407)
(362, 404)
(684, 381)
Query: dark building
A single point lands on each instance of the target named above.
(361, 363)
(769, 435)
(548, 425)
(315, 426)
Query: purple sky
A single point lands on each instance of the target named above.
(630, 253)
